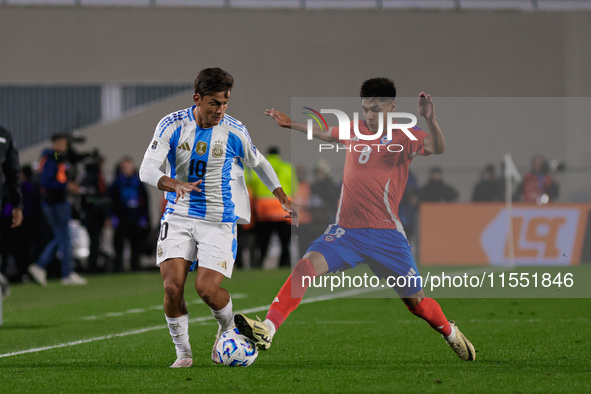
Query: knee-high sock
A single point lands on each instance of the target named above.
(179, 331)
(430, 311)
(291, 293)
(225, 316)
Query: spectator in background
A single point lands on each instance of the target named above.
(488, 188)
(9, 186)
(131, 221)
(95, 208)
(324, 197)
(436, 190)
(53, 166)
(268, 213)
(538, 186)
(304, 231)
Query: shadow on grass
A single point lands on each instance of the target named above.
(9, 326)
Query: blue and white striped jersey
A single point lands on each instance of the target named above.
(213, 155)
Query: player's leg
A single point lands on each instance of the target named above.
(174, 274)
(216, 256)
(331, 252)
(174, 253)
(429, 310)
(287, 300)
(394, 259)
(208, 285)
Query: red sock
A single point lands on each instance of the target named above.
(430, 311)
(291, 293)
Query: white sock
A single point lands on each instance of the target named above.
(179, 331)
(270, 326)
(225, 317)
(452, 336)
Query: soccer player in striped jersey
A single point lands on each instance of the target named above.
(367, 228)
(205, 152)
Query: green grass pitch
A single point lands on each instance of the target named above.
(336, 345)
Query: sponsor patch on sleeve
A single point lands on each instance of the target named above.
(154, 146)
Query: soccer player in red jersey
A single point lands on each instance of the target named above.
(367, 228)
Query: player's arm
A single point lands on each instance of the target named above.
(285, 121)
(150, 169)
(434, 143)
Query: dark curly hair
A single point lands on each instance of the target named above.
(378, 87)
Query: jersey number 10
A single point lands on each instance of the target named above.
(197, 168)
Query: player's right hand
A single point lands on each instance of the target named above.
(293, 211)
(185, 187)
(282, 119)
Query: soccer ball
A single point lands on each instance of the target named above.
(236, 350)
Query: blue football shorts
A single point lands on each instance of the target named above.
(387, 252)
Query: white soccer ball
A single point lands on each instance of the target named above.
(236, 350)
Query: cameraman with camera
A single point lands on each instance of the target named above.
(55, 185)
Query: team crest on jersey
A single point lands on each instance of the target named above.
(160, 251)
(218, 150)
(329, 238)
(385, 140)
(201, 148)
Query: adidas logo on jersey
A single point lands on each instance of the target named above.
(184, 146)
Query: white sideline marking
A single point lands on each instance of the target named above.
(236, 296)
(194, 320)
(331, 296)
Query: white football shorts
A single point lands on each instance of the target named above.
(212, 244)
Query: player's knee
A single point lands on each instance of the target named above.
(206, 291)
(317, 261)
(413, 301)
(173, 290)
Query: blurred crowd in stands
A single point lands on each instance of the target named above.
(74, 221)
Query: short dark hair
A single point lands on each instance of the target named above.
(213, 80)
(490, 167)
(378, 87)
(436, 170)
(59, 136)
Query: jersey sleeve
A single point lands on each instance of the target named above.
(335, 133)
(417, 148)
(157, 151)
(250, 155)
(160, 144)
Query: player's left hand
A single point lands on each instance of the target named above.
(426, 106)
(293, 210)
(17, 217)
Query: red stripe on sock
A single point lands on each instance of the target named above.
(430, 311)
(291, 293)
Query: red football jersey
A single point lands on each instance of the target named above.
(375, 177)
